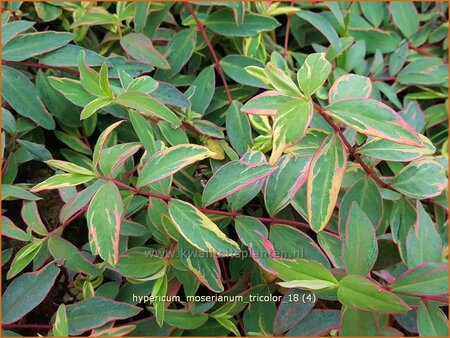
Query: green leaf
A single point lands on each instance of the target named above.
(145, 84)
(138, 265)
(424, 71)
(326, 172)
(96, 311)
(291, 122)
(141, 48)
(112, 159)
(143, 131)
(202, 90)
(159, 290)
(240, 198)
(94, 106)
(147, 106)
(73, 259)
(391, 151)
(200, 231)
(313, 73)
(365, 294)
(266, 103)
(284, 182)
(356, 322)
(374, 118)
(405, 17)
(431, 320)
(323, 26)
(26, 46)
(47, 12)
(232, 177)
(360, 248)
(68, 167)
(23, 97)
(418, 240)
(373, 11)
(234, 67)
(350, 86)
(313, 285)
(179, 52)
(12, 29)
(67, 56)
(104, 81)
(204, 266)
(26, 292)
(31, 217)
(171, 160)
(398, 59)
(101, 141)
(15, 192)
(35, 150)
(104, 217)
(294, 243)
(238, 128)
(281, 81)
(95, 18)
(365, 192)
(61, 326)
(72, 90)
(425, 279)
(421, 179)
(254, 235)
(185, 320)
(301, 270)
(89, 78)
(222, 22)
(61, 181)
(376, 39)
(9, 229)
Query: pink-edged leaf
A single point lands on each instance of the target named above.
(26, 292)
(101, 141)
(104, 217)
(113, 158)
(254, 235)
(291, 122)
(31, 217)
(205, 267)
(169, 161)
(232, 177)
(9, 229)
(350, 86)
(325, 176)
(141, 48)
(374, 118)
(96, 311)
(266, 103)
(73, 259)
(284, 183)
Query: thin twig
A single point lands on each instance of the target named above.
(211, 49)
(350, 149)
(40, 66)
(271, 220)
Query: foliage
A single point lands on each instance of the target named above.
(291, 157)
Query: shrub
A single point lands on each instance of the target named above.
(224, 168)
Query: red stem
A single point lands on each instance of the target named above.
(40, 66)
(386, 78)
(70, 220)
(211, 49)
(27, 326)
(271, 220)
(350, 149)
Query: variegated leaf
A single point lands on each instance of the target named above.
(200, 231)
(324, 181)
